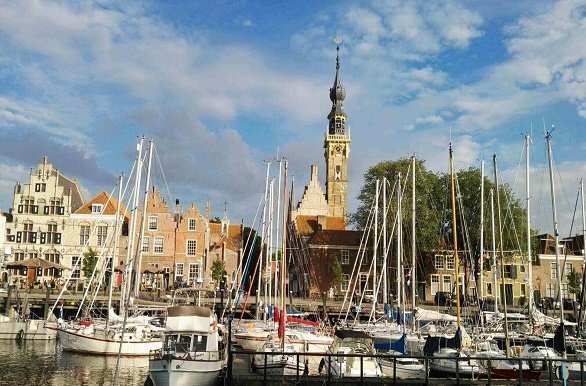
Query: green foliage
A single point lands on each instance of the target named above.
(433, 208)
(218, 269)
(574, 282)
(90, 259)
(337, 273)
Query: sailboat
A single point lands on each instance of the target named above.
(134, 336)
(278, 357)
(447, 356)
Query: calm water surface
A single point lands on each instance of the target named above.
(44, 363)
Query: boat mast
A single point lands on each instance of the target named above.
(580, 313)
(374, 248)
(501, 253)
(529, 256)
(413, 262)
(138, 262)
(283, 269)
(385, 212)
(399, 243)
(494, 267)
(114, 249)
(555, 227)
(455, 236)
(263, 246)
(481, 294)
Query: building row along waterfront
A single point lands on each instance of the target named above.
(50, 220)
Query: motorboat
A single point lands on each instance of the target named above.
(194, 349)
(276, 359)
(351, 355)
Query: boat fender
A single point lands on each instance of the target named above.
(20, 336)
(149, 381)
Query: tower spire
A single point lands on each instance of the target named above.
(337, 116)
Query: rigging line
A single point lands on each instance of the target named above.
(571, 230)
(158, 159)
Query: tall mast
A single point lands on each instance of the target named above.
(555, 227)
(283, 270)
(263, 246)
(138, 261)
(375, 246)
(481, 294)
(115, 248)
(580, 313)
(455, 236)
(529, 257)
(384, 259)
(399, 242)
(501, 252)
(413, 262)
(494, 265)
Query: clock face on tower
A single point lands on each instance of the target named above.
(338, 149)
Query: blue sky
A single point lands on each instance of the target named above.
(223, 86)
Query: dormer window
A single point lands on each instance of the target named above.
(97, 208)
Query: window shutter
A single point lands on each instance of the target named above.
(46, 210)
(18, 237)
(20, 209)
(43, 237)
(33, 237)
(35, 209)
(57, 238)
(61, 210)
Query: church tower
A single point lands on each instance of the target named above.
(337, 148)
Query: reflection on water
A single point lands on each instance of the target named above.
(44, 363)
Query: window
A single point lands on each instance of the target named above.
(53, 258)
(365, 260)
(158, 245)
(435, 284)
(507, 268)
(41, 187)
(568, 268)
(450, 262)
(194, 272)
(54, 206)
(447, 283)
(28, 235)
(153, 223)
(345, 282)
(489, 288)
(18, 256)
(33, 255)
(145, 243)
(179, 272)
(191, 224)
(439, 262)
(191, 247)
(565, 292)
(102, 235)
(553, 271)
(550, 290)
(523, 289)
(345, 256)
(27, 205)
(52, 236)
(84, 234)
(75, 266)
(97, 208)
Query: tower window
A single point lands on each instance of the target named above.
(338, 172)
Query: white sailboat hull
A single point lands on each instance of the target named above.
(403, 371)
(99, 344)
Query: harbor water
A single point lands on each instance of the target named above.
(38, 363)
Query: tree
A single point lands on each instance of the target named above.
(218, 270)
(337, 273)
(90, 259)
(575, 283)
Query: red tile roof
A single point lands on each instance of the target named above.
(104, 199)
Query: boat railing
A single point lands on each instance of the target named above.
(550, 370)
(187, 355)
